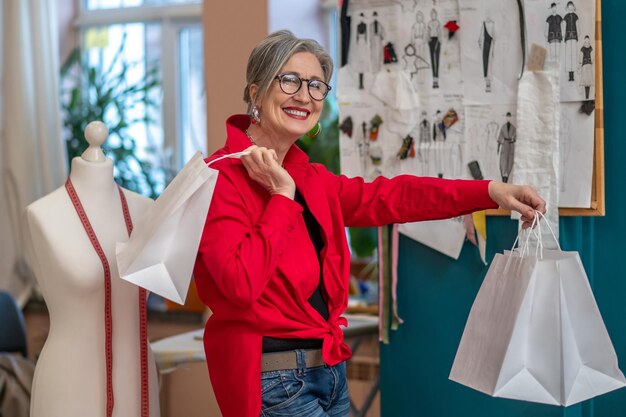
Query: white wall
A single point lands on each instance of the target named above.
(305, 18)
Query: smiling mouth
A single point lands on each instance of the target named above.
(297, 113)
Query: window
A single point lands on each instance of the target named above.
(141, 38)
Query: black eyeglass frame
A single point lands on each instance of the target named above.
(279, 77)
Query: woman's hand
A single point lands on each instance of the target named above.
(263, 167)
(520, 198)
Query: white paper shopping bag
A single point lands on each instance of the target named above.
(162, 249)
(535, 333)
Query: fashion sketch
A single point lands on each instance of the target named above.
(424, 139)
(489, 155)
(434, 34)
(486, 43)
(571, 40)
(364, 145)
(361, 49)
(438, 132)
(413, 62)
(377, 35)
(418, 36)
(586, 66)
(553, 33)
(506, 148)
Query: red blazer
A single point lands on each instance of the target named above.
(257, 268)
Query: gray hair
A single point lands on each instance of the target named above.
(272, 53)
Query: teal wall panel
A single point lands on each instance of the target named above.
(435, 294)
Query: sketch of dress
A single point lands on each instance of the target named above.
(434, 45)
(489, 155)
(423, 149)
(586, 67)
(571, 40)
(553, 33)
(360, 54)
(438, 132)
(418, 33)
(377, 34)
(506, 148)
(486, 43)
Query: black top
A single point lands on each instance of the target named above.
(271, 344)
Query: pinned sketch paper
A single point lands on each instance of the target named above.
(567, 30)
(576, 143)
(537, 158)
(161, 251)
(491, 136)
(491, 51)
(445, 236)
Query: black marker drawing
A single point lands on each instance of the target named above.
(377, 34)
(361, 49)
(414, 62)
(553, 33)
(506, 148)
(364, 147)
(486, 43)
(586, 66)
(571, 40)
(434, 44)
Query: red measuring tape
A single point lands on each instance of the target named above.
(108, 320)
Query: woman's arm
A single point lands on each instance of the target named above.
(241, 256)
(407, 198)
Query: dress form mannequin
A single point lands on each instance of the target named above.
(70, 377)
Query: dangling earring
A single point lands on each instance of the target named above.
(317, 129)
(255, 118)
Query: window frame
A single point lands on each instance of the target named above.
(173, 18)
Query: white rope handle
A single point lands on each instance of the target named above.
(549, 228)
(524, 243)
(235, 155)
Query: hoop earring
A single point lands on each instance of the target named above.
(317, 129)
(255, 117)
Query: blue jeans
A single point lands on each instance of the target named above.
(310, 392)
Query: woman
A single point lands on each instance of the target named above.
(273, 262)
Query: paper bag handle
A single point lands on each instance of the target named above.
(524, 249)
(235, 155)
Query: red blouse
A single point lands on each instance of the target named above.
(256, 266)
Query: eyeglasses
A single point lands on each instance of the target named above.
(291, 84)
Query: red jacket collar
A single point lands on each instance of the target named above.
(237, 140)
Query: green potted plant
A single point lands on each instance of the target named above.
(93, 93)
